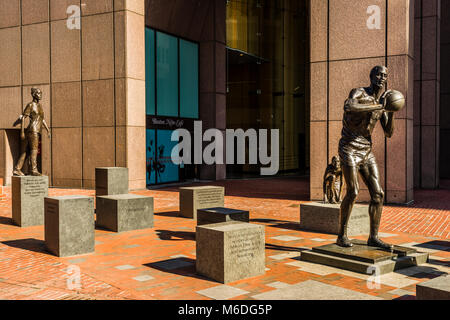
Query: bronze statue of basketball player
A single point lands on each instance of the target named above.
(29, 137)
(362, 110)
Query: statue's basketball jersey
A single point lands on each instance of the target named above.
(36, 114)
(355, 146)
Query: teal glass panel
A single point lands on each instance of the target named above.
(188, 79)
(150, 71)
(151, 157)
(167, 75)
(166, 170)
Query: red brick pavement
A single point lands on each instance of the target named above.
(429, 215)
(27, 271)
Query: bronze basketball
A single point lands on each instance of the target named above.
(395, 101)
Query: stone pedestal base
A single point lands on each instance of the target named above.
(194, 198)
(364, 259)
(436, 289)
(28, 195)
(111, 181)
(69, 225)
(230, 251)
(219, 215)
(324, 218)
(124, 212)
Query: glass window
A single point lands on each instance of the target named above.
(150, 71)
(167, 75)
(172, 77)
(160, 168)
(151, 157)
(166, 170)
(188, 79)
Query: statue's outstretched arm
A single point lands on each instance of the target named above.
(356, 102)
(46, 127)
(354, 105)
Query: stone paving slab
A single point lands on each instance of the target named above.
(278, 285)
(314, 290)
(283, 256)
(286, 238)
(400, 292)
(223, 292)
(143, 278)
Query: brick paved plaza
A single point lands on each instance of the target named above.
(159, 263)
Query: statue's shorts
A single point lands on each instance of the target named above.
(355, 153)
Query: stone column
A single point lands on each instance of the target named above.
(346, 42)
(130, 89)
(426, 98)
(212, 107)
(98, 86)
(67, 95)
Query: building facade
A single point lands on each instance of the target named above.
(119, 76)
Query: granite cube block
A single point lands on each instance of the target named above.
(435, 289)
(194, 198)
(124, 212)
(324, 217)
(28, 193)
(230, 251)
(219, 215)
(111, 181)
(69, 225)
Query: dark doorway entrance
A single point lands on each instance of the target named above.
(267, 77)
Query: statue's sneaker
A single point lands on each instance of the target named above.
(376, 242)
(18, 172)
(36, 174)
(344, 242)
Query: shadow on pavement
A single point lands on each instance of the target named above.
(288, 225)
(180, 266)
(175, 235)
(422, 272)
(406, 297)
(6, 221)
(439, 245)
(270, 246)
(28, 244)
(174, 214)
(443, 263)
